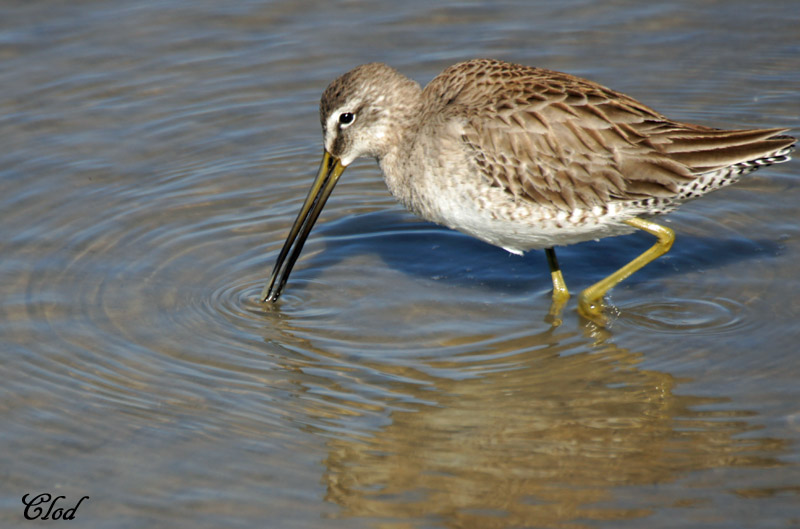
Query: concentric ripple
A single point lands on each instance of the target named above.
(696, 316)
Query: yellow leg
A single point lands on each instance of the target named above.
(560, 292)
(590, 302)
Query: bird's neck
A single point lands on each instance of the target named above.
(397, 165)
(401, 154)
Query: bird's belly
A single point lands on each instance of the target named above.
(490, 214)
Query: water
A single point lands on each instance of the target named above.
(153, 157)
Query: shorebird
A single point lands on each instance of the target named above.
(523, 158)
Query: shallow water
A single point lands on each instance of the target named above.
(154, 155)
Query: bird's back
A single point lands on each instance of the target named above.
(564, 142)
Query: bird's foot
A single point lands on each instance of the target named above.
(560, 298)
(592, 309)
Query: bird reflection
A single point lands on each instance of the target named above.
(535, 431)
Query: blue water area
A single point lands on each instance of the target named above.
(154, 156)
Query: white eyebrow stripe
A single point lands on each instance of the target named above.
(331, 126)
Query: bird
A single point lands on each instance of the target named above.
(524, 158)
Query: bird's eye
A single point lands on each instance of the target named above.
(345, 118)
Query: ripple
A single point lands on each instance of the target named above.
(682, 316)
(239, 302)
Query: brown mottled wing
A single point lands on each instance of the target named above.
(563, 141)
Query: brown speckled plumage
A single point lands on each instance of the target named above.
(553, 138)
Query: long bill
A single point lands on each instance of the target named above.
(330, 170)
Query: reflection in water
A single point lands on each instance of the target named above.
(530, 434)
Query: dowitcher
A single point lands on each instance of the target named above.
(523, 158)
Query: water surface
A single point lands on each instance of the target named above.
(154, 155)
